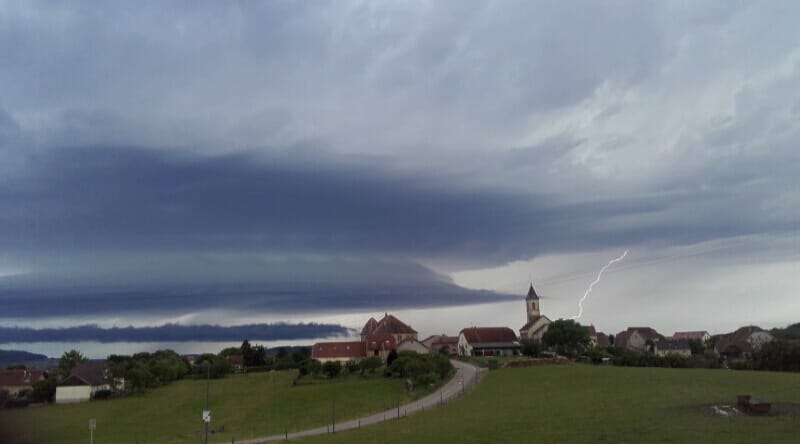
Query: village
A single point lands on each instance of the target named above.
(390, 335)
(379, 338)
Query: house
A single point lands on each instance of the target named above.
(339, 351)
(388, 325)
(597, 339)
(437, 343)
(701, 336)
(378, 338)
(487, 341)
(673, 346)
(83, 382)
(537, 324)
(742, 343)
(379, 345)
(15, 381)
(412, 345)
(640, 339)
(236, 361)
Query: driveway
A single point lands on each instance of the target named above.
(466, 377)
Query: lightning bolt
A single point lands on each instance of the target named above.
(599, 275)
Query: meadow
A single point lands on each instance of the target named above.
(242, 407)
(585, 403)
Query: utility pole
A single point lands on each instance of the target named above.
(334, 416)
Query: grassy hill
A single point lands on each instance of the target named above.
(581, 403)
(254, 405)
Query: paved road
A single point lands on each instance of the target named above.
(466, 377)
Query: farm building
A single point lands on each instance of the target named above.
(83, 382)
(487, 341)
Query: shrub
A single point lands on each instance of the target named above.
(352, 366)
(372, 363)
(310, 367)
(332, 368)
(422, 370)
(102, 394)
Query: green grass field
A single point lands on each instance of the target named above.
(254, 405)
(587, 404)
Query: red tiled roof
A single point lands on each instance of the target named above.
(738, 340)
(353, 349)
(92, 373)
(380, 342)
(369, 327)
(19, 378)
(590, 329)
(699, 335)
(489, 334)
(390, 325)
(647, 333)
(621, 339)
(446, 340)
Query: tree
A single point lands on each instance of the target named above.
(567, 337)
(68, 361)
(44, 390)
(444, 350)
(391, 357)
(252, 356)
(332, 368)
(611, 339)
(531, 347)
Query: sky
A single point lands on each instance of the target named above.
(240, 162)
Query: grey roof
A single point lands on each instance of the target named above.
(532, 293)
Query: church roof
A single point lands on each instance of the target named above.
(534, 320)
(532, 293)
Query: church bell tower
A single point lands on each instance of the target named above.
(532, 304)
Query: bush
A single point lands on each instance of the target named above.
(102, 394)
(332, 368)
(390, 358)
(531, 347)
(372, 363)
(310, 367)
(422, 370)
(352, 366)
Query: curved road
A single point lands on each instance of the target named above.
(466, 376)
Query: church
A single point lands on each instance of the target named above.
(537, 323)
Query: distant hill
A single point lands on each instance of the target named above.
(31, 360)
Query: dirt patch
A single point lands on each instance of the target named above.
(732, 410)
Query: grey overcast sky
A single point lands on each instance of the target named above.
(414, 145)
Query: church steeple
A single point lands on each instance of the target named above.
(532, 304)
(532, 293)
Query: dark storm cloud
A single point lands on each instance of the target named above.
(172, 333)
(125, 199)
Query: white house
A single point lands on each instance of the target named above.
(412, 345)
(83, 382)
